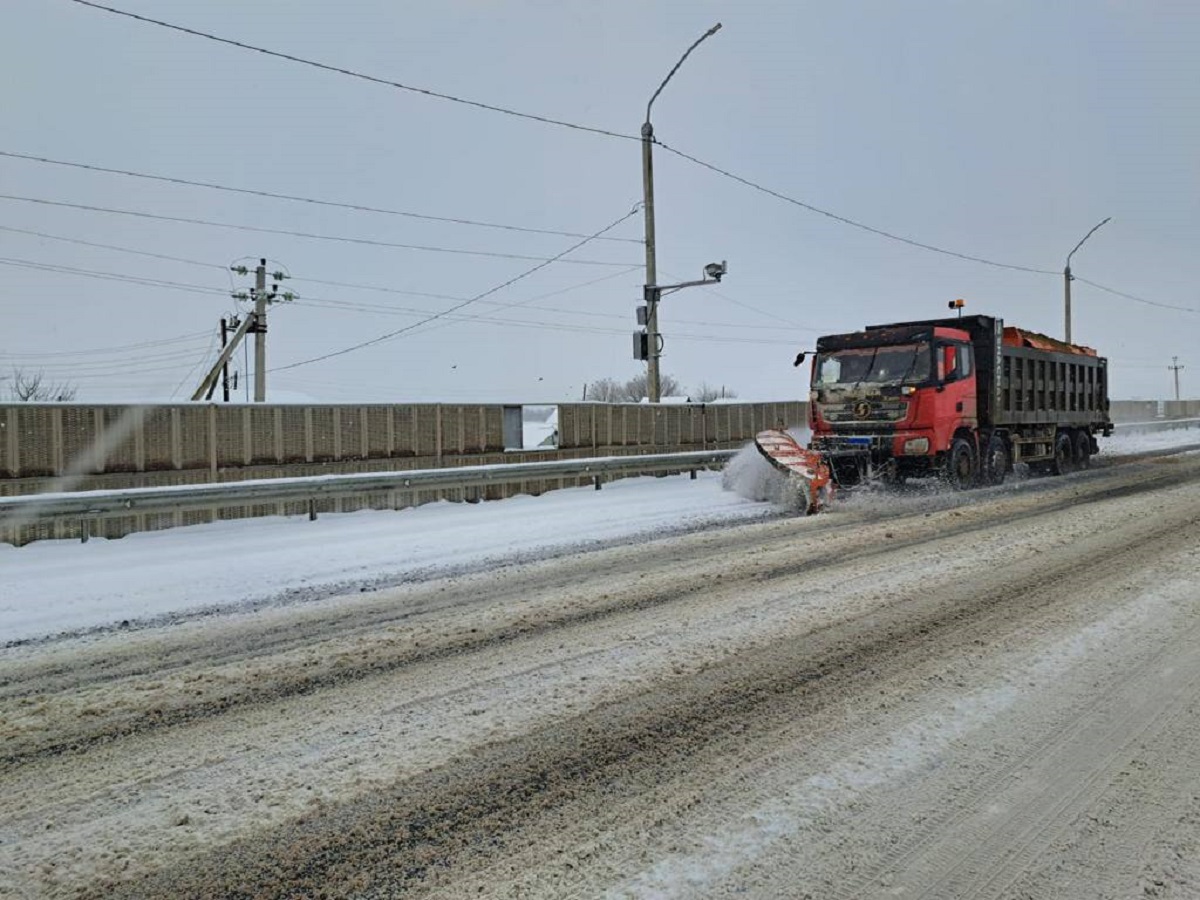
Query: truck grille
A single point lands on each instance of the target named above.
(865, 411)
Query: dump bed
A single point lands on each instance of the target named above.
(1026, 378)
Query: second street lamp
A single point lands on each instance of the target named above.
(652, 291)
(1067, 279)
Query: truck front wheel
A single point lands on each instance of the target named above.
(960, 464)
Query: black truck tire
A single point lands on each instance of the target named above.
(1064, 454)
(995, 461)
(1083, 449)
(961, 468)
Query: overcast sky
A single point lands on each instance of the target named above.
(1000, 130)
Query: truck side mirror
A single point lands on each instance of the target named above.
(799, 358)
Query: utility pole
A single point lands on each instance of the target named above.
(651, 293)
(1067, 279)
(1175, 368)
(256, 324)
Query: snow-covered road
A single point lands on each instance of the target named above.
(989, 695)
(50, 587)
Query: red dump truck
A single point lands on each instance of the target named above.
(961, 398)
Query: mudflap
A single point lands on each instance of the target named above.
(806, 469)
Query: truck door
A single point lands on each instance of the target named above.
(957, 401)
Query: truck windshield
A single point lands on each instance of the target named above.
(894, 364)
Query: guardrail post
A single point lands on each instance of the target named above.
(693, 474)
(83, 531)
(596, 481)
(312, 510)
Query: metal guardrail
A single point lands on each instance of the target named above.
(29, 508)
(1157, 425)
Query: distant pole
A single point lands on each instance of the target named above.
(1067, 279)
(225, 368)
(652, 294)
(209, 383)
(260, 332)
(1175, 368)
(213, 383)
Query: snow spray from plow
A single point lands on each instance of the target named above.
(806, 470)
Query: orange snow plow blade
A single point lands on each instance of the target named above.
(805, 468)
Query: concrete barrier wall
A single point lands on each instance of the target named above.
(1150, 410)
(605, 427)
(54, 447)
(47, 440)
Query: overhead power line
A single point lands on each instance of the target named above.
(851, 222)
(61, 269)
(81, 369)
(109, 276)
(389, 290)
(382, 309)
(294, 198)
(564, 124)
(300, 234)
(1135, 298)
(547, 326)
(82, 243)
(192, 338)
(708, 289)
(492, 290)
(545, 120)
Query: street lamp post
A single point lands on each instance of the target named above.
(1068, 278)
(652, 293)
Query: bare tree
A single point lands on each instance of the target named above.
(606, 390)
(633, 390)
(707, 392)
(29, 387)
(636, 389)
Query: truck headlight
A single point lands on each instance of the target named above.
(916, 446)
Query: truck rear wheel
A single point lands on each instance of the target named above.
(995, 461)
(1064, 454)
(1083, 449)
(960, 464)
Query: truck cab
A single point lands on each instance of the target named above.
(891, 399)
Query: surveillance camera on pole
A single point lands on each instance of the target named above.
(648, 343)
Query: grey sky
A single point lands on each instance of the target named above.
(1003, 130)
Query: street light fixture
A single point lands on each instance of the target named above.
(651, 343)
(1068, 278)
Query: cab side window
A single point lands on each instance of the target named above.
(963, 367)
(954, 362)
